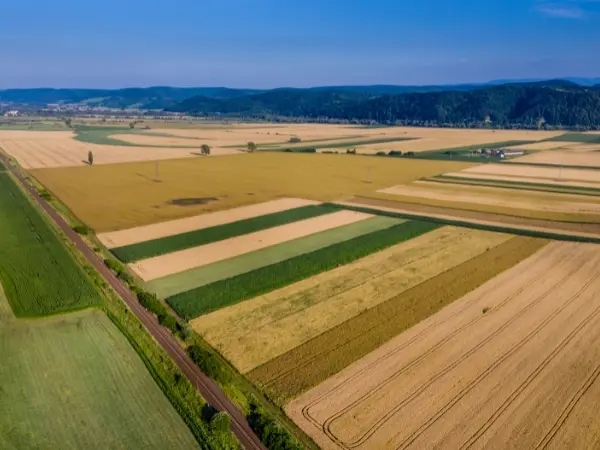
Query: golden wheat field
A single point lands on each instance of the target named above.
(569, 157)
(515, 361)
(113, 197)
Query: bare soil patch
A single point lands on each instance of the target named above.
(464, 378)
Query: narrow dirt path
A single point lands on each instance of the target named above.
(205, 386)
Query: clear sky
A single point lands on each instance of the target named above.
(272, 43)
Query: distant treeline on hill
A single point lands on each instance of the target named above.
(525, 105)
(548, 104)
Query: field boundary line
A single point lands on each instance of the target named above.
(327, 424)
(306, 409)
(503, 358)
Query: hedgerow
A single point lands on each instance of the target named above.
(156, 247)
(233, 290)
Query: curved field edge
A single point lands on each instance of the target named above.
(520, 185)
(311, 363)
(85, 352)
(373, 206)
(39, 275)
(201, 276)
(233, 290)
(183, 241)
(106, 136)
(493, 209)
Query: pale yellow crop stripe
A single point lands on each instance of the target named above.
(551, 173)
(494, 196)
(560, 182)
(256, 331)
(199, 222)
(176, 262)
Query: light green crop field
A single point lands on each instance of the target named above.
(74, 382)
(201, 276)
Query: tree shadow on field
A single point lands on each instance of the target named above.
(86, 162)
(146, 177)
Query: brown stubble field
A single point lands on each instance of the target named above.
(514, 361)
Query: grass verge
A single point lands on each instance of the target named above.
(233, 290)
(201, 276)
(345, 144)
(311, 363)
(585, 138)
(169, 244)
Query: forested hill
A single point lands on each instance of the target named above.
(555, 103)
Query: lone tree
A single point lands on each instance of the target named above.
(91, 158)
(68, 122)
(251, 147)
(205, 149)
(132, 125)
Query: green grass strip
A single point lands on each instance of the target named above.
(38, 274)
(233, 290)
(2, 168)
(585, 138)
(451, 153)
(478, 226)
(201, 276)
(346, 144)
(170, 244)
(519, 185)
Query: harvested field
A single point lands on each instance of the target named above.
(74, 381)
(161, 266)
(563, 157)
(477, 218)
(179, 242)
(39, 275)
(40, 149)
(173, 227)
(162, 141)
(253, 332)
(201, 276)
(230, 291)
(507, 363)
(113, 197)
(518, 179)
(495, 199)
(557, 174)
(323, 356)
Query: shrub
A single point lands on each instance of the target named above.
(81, 229)
(168, 321)
(351, 151)
(209, 363)
(295, 139)
(45, 195)
(395, 153)
(152, 303)
(115, 266)
(380, 154)
(220, 422)
(269, 431)
(126, 278)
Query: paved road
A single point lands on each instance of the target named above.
(207, 388)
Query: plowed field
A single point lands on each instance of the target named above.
(513, 363)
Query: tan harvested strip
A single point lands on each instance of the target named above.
(498, 197)
(314, 361)
(253, 332)
(173, 227)
(477, 217)
(560, 181)
(519, 170)
(465, 378)
(161, 266)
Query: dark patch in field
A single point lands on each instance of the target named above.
(192, 201)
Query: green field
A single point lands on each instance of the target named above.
(102, 136)
(2, 168)
(162, 246)
(346, 144)
(465, 153)
(38, 274)
(316, 360)
(71, 382)
(201, 276)
(585, 138)
(233, 290)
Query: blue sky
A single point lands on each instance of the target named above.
(272, 43)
